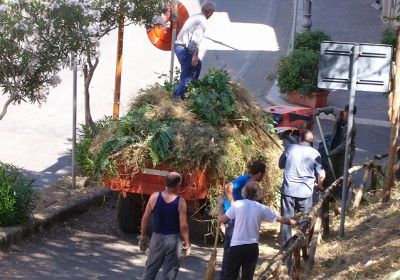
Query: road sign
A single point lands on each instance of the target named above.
(353, 67)
(373, 71)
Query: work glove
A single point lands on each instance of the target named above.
(144, 243)
(186, 250)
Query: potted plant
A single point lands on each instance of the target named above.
(297, 72)
(310, 40)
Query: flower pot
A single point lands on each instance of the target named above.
(313, 100)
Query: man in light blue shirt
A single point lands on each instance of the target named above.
(233, 192)
(303, 170)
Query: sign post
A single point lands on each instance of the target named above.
(174, 27)
(350, 123)
(74, 97)
(353, 67)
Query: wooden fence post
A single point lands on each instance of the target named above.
(296, 264)
(389, 176)
(360, 191)
(316, 237)
(374, 178)
(325, 217)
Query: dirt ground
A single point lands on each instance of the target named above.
(371, 246)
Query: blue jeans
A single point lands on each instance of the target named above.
(165, 251)
(189, 73)
(289, 206)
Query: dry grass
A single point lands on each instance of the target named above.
(370, 248)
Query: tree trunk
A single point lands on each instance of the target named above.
(10, 100)
(88, 71)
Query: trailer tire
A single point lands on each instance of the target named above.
(129, 214)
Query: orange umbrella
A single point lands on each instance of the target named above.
(161, 36)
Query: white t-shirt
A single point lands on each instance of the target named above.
(248, 215)
(192, 32)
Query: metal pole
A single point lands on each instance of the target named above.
(325, 146)
(307, 22)
(74, 97)
(295, 4)
(118, 70)
(173, 37)
(350, 121)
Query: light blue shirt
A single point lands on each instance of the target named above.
(237, 186)
(302, 164)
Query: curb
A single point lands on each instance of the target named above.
(14, 234)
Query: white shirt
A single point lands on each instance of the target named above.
(248, 215)
(192, 32)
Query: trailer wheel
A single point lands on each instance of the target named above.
(129, 214)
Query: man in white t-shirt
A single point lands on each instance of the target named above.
(248, 215)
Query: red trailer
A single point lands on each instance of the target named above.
(136, 188)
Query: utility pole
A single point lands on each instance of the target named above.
(173, 37)
(118, 70)
(307, 22)
(74, 97)
(394, 118)
(295, 8)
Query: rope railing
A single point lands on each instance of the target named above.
(309, 226)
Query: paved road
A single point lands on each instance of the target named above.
(89, 246)
(244, 37)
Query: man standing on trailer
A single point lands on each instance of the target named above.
(170, 223)
(187, 47)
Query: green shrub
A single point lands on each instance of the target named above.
(310, 40)
(15, 196)
(389, 37)
(212, 96)
(298, 71)
(84, 157)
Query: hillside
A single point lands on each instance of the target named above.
(370, 248)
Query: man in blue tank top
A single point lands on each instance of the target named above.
(170, 222)
(233, 192)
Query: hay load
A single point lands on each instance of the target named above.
(219, 128)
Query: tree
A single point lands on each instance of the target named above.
(37, 38)
(30, 53)
(98, 18)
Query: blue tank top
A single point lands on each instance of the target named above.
(166, 216)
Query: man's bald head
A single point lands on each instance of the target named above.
(173, 179)
(306, 136)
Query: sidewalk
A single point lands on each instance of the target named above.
(346, 21)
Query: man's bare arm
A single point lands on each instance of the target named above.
(146, 215)
(183, 225)
(286, 221)
(229, 192)
(222, 218)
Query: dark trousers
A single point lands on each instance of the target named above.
(241, 256)
(227, 243)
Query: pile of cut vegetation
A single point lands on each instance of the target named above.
(218, 128)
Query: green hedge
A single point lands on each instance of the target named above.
(15, 196)
(310, 40)
(298, 71)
